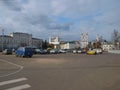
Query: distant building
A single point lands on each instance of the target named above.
(37, 43)
(70, 45)
(107, 47)
(6, 41)
(84, 40)
(21, 39)
(55, 41)
(18, 39)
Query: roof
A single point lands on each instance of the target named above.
(5, 36)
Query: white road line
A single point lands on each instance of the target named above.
(12, 81)
(20, 68)
(20, 87)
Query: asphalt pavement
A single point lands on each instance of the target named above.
(60, 72)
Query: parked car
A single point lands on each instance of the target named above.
(43, 51)
(68, 50)
(84, 50)
(79, 51)
(91, 52)
(98, 50)
(54, 51)
(36, 51)
(74, 51)
(24, 52)
(62, 51)
(7, 51)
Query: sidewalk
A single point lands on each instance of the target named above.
(114, 51)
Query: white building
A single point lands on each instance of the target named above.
(70, 45)
(84, 40)
(6, 42)
(55, 41)
(107, 47)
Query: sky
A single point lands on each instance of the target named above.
(66, 18)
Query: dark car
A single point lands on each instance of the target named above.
(36, 51)
(84, 50)
(24, 52)
(43, 51)
(7, 51)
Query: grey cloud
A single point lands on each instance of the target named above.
(57, 26)
(34, 16)
(12, 4)
(39, 19)
(109, 18)
(75, 8)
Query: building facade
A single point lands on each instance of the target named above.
(6, 41)
(18, 39)
(37, 43)
(107, 47)
(84, 40)
(70, 45)
(55, 41)
(21, 39)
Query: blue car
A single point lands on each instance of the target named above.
(24, 52)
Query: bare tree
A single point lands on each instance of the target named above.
(116, 38)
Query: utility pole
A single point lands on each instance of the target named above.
(2, 38)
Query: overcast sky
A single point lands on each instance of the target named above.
(68, 18)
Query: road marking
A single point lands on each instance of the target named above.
(20, 68)
(20, 87)
(12, 81)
